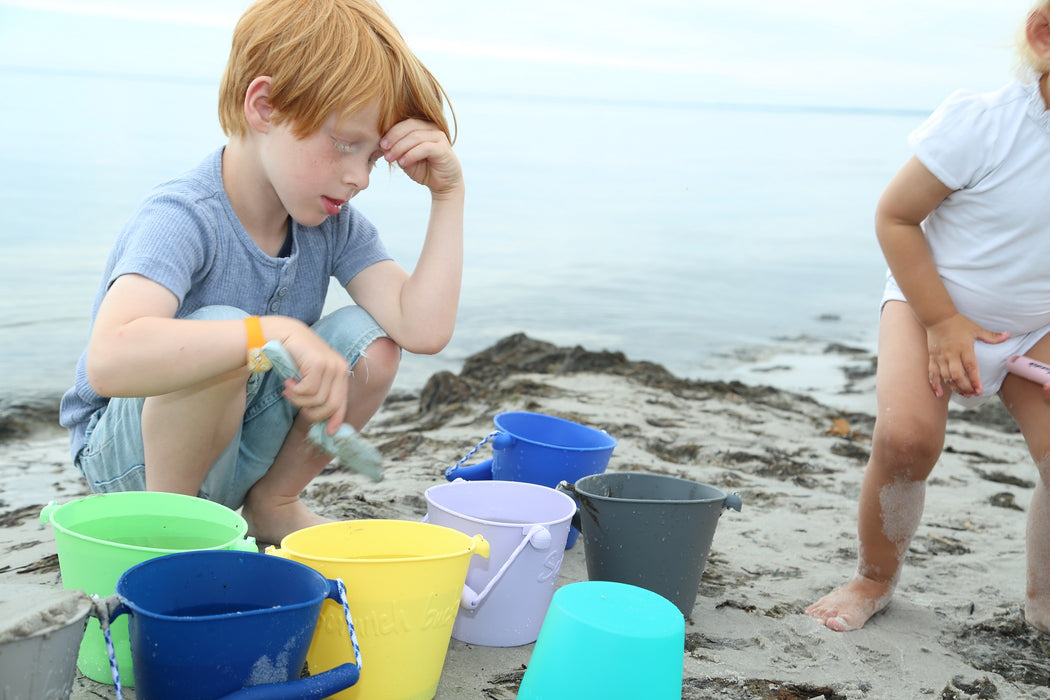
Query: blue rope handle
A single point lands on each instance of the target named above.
(349, 622)
(477, 447)
(102, 612)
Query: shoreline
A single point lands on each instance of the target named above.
(955, 628)
(834, 372)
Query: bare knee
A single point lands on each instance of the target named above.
(379, 362)
(912, 450)
(370, 380)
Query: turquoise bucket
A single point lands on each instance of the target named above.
(603, 640)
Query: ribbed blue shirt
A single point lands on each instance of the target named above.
(186, 237)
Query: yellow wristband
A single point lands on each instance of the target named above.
(257, 360)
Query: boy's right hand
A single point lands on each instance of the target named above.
(424, 153)
(322, 392)
(952, 360)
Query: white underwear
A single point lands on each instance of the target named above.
(991, 359)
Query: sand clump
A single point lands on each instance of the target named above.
(30, 609)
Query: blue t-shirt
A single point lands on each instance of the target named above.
(186, 237)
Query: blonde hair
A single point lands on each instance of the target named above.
(326, 57)
(1029, 64)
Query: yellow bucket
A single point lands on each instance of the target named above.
(404, 582)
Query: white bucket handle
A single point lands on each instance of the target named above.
(537, 535)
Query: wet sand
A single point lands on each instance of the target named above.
(955, 628)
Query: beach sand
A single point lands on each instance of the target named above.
(954, 630)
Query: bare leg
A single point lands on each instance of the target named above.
(907, 441)
(211, 413)
(1030, 408)
(272, 506)
(1037, 595)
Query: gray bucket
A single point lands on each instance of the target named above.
(40, 632)
(649, 530)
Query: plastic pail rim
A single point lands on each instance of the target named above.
(189, 507)
(581, 487)
(470, 545)
(607, 441)
(307, 578)
(540, 491)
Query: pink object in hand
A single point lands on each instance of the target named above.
(1029, 369)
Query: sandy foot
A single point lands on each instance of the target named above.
(849, 607)
(1037, 616)
(270, 525)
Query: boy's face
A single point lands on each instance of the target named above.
(315, 176)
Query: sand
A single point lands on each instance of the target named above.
(955, 628)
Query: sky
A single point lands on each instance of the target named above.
(893, 54)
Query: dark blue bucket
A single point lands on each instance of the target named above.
(539, 449)
(222, 624)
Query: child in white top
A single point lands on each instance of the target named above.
(965, 229)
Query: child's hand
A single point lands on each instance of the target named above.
(321, 393)
(953, 363)
(422, 150)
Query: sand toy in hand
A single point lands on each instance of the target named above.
(346, 445)
(1030, 369)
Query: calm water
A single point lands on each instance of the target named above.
(677, 233)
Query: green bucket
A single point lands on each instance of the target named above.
(100, 537)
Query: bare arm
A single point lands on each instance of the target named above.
(910, 197)
(418, 311)
(137, 348)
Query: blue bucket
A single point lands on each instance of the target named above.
(221, 624)
(538, 449)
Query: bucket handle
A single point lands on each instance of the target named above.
(537, 535)
(570, 491)
(247, 544)
(339, 588)
(482, 471)
(321, 685)
(336, 592)
(731, 501)
(106, 610)
(46, 511)
(480, 546)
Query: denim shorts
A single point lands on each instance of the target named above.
(113, 455)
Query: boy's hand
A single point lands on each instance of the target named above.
(321, 393)
(953, 363)
(422, 150)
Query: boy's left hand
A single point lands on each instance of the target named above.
(423, 151)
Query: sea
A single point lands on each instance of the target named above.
(722, 240)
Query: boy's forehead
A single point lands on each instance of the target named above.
(362, 123)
